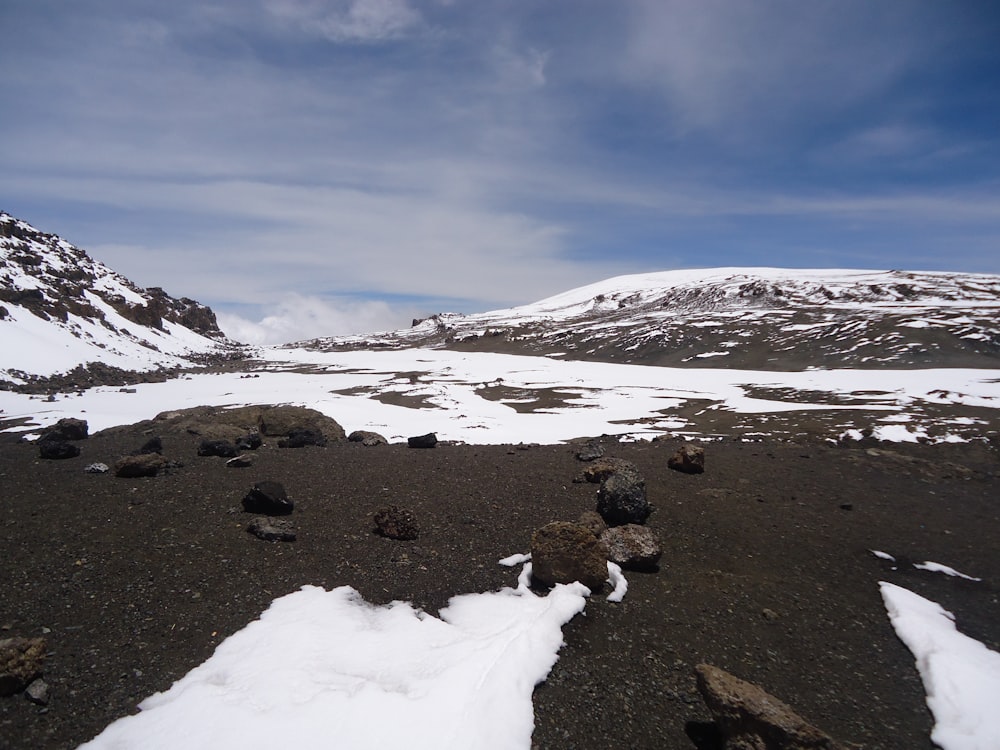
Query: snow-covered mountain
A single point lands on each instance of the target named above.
(748, 318)
(61, 310)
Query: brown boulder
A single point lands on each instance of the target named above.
(601, 468)
(394, 522)
(689, 459)
(563, 552)
(20, 663)
(143, 465)
(749, 718)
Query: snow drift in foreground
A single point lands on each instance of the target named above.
(961, 676)
(323, 669)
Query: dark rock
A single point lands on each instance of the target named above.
(222, 448)
(96, 468)
(423, 441)
(601, 468)
(67, 428)
(249, 442)
(240, 462)
(689, 459)
(301, 438)
(367, 438)
(590, 452)
(564, 552)
(272, 529)
(153, 445)
(268, 498)
(751, 719)
(622, 499)
(285, 420)
(396, 523)
(633, 547)
(53, 449)
(592, 520)
(20, 663)
(143, 465)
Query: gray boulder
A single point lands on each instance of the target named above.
(633, 547)
(272, 529)
(365, 437)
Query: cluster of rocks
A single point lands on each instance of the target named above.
(269, 500)
(21, 661)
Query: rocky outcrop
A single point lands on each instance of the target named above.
(563, 552)
(749, 718)
(633, 547)
(244, 426)
(394, 522)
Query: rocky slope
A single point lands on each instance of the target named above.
(60, 309)
(747, 318)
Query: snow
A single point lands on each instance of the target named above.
(883, 555)
(939, 568)
(961, 676)
(324, 669)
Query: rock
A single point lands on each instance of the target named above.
(20, 663)
(689, 459)
(423, 441)
(96, 468)
(268, 498)
(222, 448)
(67, 428)
(272, 529)
(751, 719)
(142, 465)
(396, 523)
(592, 520)
(300, 438)
(217, 423)
(633, 547)
(622, 499)
(601, 468)
(285, 420)
(38, 692)
(564, 552)
(240, 462)
(590, 452)
(153, 445)
(367, 438)
(53, 449)
(249, 442)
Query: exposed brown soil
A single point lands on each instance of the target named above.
(767, 572)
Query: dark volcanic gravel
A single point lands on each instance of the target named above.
(767, 572)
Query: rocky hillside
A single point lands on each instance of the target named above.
(61, 310)
(748, 318)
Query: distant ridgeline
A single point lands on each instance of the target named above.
(739, 318)
(69, 310)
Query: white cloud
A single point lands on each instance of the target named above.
(350, 20)
(296, 318)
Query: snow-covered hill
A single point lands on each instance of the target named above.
(759, 318)
(60, 310)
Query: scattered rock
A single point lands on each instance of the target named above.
(221, 448)
(689, 459)
(622, 499)
(285, 420)
(749, 718)
(592, 520)
(142, 465)
(590, 452)
(240, 462)
(249, 442)
(423, 441)
(20, 663)
(601, 468)
(268, 498)
(51, 448)
(633, 547)
(300, 438)
(272, 529)
(769, 614)
(367, 438)
(396, 523)
(38, 692)
(97, 468)
(563, 552)
(153, 445)
(67, 428)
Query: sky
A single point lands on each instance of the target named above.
(317, 167)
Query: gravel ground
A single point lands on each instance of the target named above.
(767, 572)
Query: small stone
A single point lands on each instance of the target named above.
(268, 498)
(96, 468)
(38, 692)
(272, 529)
(240, 462)
(249, 442)
(394, 522)
(590, 452)
(368, 438)
(20, 663)
(423, 441)
(689, 459)
(143, 465)
(769, 614)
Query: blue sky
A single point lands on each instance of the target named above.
(325, 166)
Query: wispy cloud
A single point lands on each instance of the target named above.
(358, 21)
